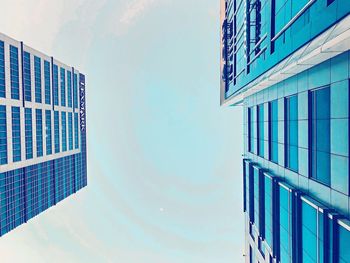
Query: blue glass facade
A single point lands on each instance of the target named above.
(42, 133)
(309, 118)
(257, 35)
(28, 191)
(285, 62)
(42, 138)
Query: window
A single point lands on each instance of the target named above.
(27, 77)
(320, 135)
(249, 190)
(48, 132)
(39, 132)
(57, 131)
(257, 33)
(28, 128)
(246, 164)
(239, 56)
(76, 131)
(3, 135)
(309, 233)
(55, 85)
(344, 241)
(47, 76)
(257, 200)
(285, 226)
(16, 134)
(291, 133)
(251, 130)
(63, 87)
(75, 91)
(37, 75)
(273, 138)
(14, 72)
(2, 70)
(69, 88)
(312, 236)
(64, 131)
(70, 130)
(282, 17)
(268, 209)
(261, 130)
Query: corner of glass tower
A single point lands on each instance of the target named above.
(288, 64)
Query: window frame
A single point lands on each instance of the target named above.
(270, 132)
(287, 144)
(260, 141)
(313, 110)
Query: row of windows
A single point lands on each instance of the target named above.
(16, 133)
(14, 70)
(319, 123)
(291, 226)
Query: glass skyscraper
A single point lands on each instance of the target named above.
(42, 132)
(287, 63)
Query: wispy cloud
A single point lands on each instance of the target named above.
(135, 9)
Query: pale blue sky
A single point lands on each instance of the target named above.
(164, 158)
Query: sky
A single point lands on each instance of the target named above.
(164, 159)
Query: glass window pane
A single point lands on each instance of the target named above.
(323, 135)
(320, 141)
(323, 167)
(291, 136)
(322, 98)
(344, 241)
(261, 131)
